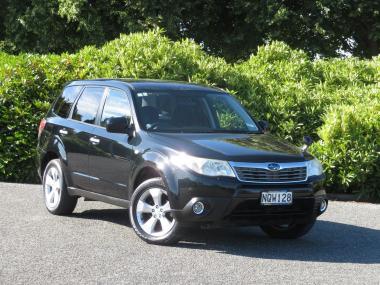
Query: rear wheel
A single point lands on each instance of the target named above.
(291, 231)
(57, 199)
(150, 213)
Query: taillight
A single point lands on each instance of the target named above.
(41, 127)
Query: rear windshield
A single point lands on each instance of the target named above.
(195, 112)
(64, 103)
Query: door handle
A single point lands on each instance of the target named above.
(94, 140)
(63, 132)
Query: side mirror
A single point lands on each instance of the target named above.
(264, 125)
(119, 125)
(308, 141)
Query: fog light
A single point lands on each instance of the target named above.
(198, 208)
(323, 206)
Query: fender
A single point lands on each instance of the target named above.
(60, 149)
(56, 146)
(159, 162)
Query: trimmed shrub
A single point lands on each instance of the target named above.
(350, 148)
(293, 92)
(281, 81)
(29, 83)
(296, 95)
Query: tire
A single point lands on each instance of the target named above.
(291, 231)
(150, 215)
(57, 199)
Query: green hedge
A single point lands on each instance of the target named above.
(349, 148)
(336, 101)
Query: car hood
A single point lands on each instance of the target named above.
(233, 147)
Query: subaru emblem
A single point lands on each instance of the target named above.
(273, 166)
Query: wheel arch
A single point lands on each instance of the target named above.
(145, 173)
(153, 164)
(48, 156)
(55, 150)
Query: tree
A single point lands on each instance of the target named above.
(229, 28)
(357, 22)
(45, 26)
(3, 4)
(234, 28)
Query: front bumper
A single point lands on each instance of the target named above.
(228, 201)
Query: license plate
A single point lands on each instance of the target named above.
(276, 198)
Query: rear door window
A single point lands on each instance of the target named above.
(64, 103)
(87, 106)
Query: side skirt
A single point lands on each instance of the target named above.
(98, 197)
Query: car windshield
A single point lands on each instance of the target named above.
(192, 112)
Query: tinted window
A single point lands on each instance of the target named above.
(88, 103)
(66, 100)
(228, 115)
(117, 105)
(192, 111)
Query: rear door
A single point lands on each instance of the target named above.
(110, 157)
(76, 135)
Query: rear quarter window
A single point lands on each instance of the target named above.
(64, 103)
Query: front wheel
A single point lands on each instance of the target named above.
(291, 231)
(150, 213)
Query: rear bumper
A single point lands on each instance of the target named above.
(40, 153)
(229, 202)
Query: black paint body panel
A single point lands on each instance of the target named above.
(108, 171)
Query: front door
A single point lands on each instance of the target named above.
(110, 154)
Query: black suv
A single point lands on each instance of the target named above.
(176, 154)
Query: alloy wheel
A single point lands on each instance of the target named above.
(52, 188)
(153, 212)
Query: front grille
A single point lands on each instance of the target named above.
(249, 174)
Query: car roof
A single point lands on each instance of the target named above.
(140, 85)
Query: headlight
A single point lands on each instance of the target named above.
(314, 168)
(209, 167)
